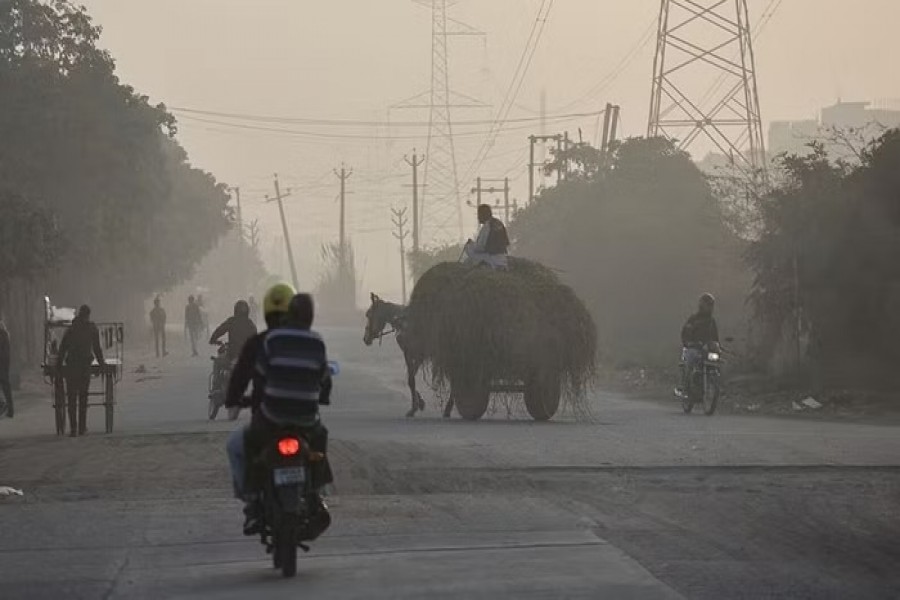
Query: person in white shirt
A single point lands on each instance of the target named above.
(491, 245)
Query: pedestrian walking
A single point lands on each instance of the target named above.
(204, 314)
(158, 322)
(79, 346)
(5, 355)
(193, 323)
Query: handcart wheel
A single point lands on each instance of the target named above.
(59, 404)
(110, 401)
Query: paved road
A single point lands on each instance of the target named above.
(641, 502)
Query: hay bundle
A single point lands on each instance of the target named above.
(476, 326)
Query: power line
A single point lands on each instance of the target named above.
(360, 123)
(515, 86)
(628, 58)
(324, 135)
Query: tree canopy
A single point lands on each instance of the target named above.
(639, 236)
(827, 255)
(98, 157)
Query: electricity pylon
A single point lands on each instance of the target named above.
(701, 42)
(441, 209)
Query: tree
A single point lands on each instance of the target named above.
(337, 286)
(425, 258)
(101, 158)
(29, 241)
(639, 239)
(826, 258)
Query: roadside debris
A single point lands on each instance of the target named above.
(811, 402)
(10, 491)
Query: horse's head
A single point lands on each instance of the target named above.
(376, 320)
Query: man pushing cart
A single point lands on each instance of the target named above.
(74, 355)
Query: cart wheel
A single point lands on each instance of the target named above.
(109, 403)
(59, 405)
(471, 399)
(542, 397)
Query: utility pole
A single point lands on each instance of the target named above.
(565, 162)
(344, 175)
(279, 197)
(399, 220)
(532, 140)
(415, 163)
(240, 249)
(508, 207)
(610, 125)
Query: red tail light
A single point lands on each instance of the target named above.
(288, 446)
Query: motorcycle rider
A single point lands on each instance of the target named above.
(698, 333)
(289, 369)
(239, 328)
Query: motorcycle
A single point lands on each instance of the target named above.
(218, 383)
(293, 511)
(704, 382)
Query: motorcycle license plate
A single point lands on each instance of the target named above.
(290, 476)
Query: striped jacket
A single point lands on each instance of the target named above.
(289, 368)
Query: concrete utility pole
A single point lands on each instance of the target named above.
(532, 140)
(344, 175)
(279, 197)
(610, 125)
(242, 264)
(399, 220)
(507, 206)
(415, 163)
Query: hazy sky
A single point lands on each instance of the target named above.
(352, 59)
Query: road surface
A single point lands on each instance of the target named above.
(640, 502)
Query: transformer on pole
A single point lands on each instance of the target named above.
(704, 81)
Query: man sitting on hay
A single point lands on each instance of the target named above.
(490, 247)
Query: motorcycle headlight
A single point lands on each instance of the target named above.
(713, 356)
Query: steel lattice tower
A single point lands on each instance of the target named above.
(441, 210)
(699, 43)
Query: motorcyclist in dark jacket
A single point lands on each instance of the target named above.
(289, 370)
(699, 331)
(239, 328)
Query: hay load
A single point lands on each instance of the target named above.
(516, 330)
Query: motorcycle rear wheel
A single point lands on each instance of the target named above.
(286, 545)
(686, 405)
(233, 413)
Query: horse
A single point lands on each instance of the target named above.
(382, 314)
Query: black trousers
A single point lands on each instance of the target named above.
(78, 382)
(159, 334)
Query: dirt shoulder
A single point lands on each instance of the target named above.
(759, 395)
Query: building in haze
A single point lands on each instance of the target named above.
(861, 119)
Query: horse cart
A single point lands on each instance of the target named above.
(112, 339)
(518, 332)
